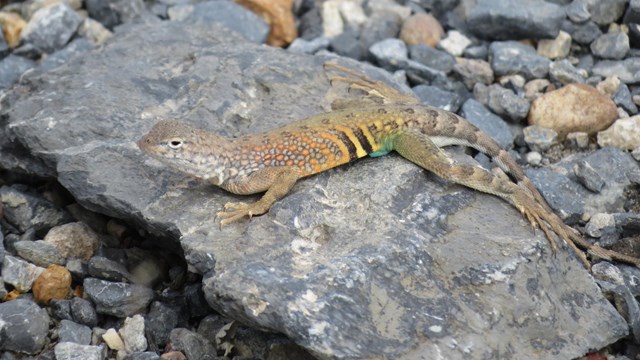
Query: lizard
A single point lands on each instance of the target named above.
(385, 121)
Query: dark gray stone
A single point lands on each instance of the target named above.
(438, 7)
(103, 12)
(379, 26)
(103, 268)
(578, 11)
(158, 324)
(634, 37)
(498, 19)
(25, 211)
(435, 96)
(73, 351)
(196, 301)
(147, 355)
(627, 70)
(627, 221)
(583, 33)
(488, 122)
(11, 67)
(623, 98)
(570, 199)
(539, 138)
(233, 16)
(433, 58)
(193, 345)
(83, 312)
(4, 47)
(477, 52)
(503, 102)
(39, 252)
(302, 46)
(111, 13)
(613, 45)
(588, 176)
(51, 27)
(375, 268)
(606, 12)
(77, 268)
(310, 24)
(632, 15)
(347, 44)
(61, 309)
(565, 73)
(392, 54)
(512, 57)
(73, 332)
(117, 299)
(24, 326)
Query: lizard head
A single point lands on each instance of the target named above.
(186, 148)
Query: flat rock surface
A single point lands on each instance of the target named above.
(376, 257)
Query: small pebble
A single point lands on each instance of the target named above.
(474, 72)
(113, 340)
(557, 48)
(533, 158)
(623, 134)
(454, 43)
(421, 29)
(539, 138)
(579, 140)
(53, 283)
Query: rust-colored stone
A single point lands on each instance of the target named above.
(53, 283)
(279, 15)
(12, 25)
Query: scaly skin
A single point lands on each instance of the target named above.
(386, 121)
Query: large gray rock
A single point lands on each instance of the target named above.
(523, 19)
(372, 259)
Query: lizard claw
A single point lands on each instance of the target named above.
(233, 212)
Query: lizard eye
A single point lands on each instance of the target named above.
(175, 143)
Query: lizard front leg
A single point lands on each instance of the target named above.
(277, 181)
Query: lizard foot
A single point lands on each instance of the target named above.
(550, 223)
(233, 212)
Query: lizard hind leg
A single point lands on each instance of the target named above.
(419, 149)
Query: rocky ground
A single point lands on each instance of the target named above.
(108, 254)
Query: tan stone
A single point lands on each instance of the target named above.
(113, 339)
(557, 48)
(74, 240)
(623, 134)
(574, 107)
(53, 283)
(421, 29)
(279, 15)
